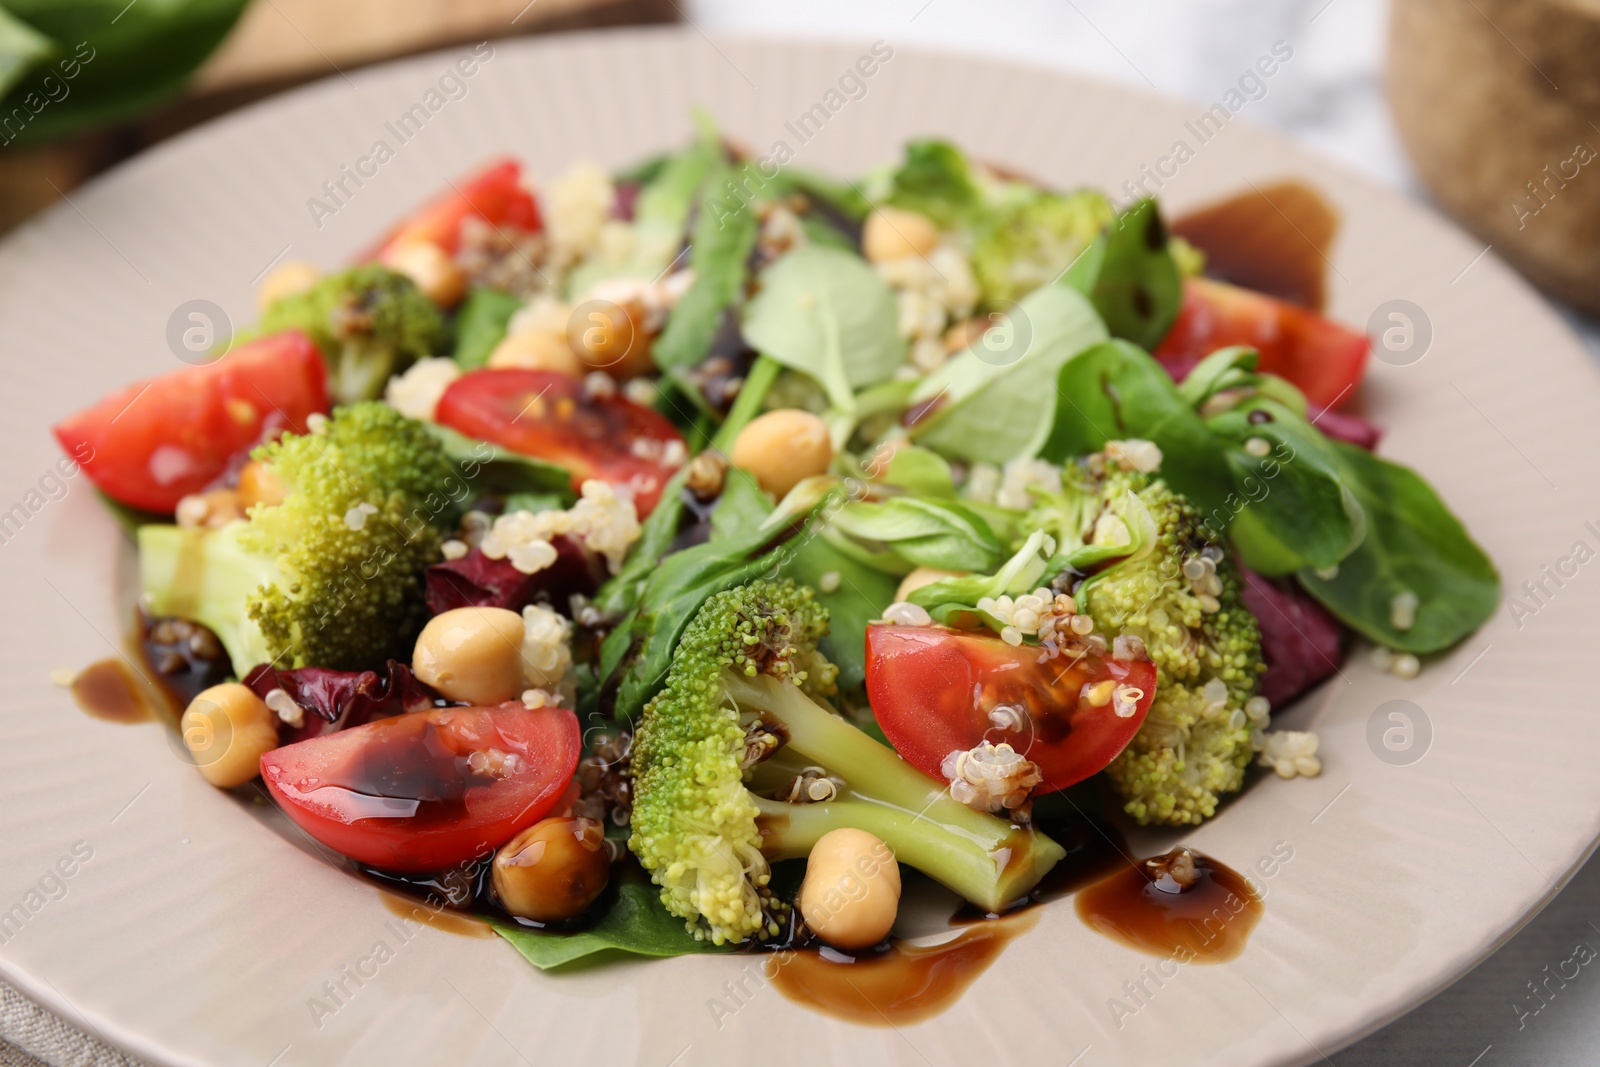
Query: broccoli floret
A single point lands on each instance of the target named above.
(1033, 242)
(332, 576)
(746, 682)
(1179, 595)
(369, 322)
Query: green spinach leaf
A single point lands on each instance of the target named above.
(935, 180)
(621, 591)
(1291, 509)
(826, 313)
(634, 922)
(481, 325)
(724, 233)
(1414, 544)
(490, 469)
(996, 401)
(1131, 277)
(923, 532)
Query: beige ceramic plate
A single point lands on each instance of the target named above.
(198, 933)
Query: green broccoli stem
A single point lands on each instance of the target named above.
(985, 859)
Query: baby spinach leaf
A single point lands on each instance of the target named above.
(1414, 544)
(1115, 391)
(719, 249)
(481, 324)
(634, 922)
(1290, 507)
(621, 591)
(826, 313)
(1132, 278)
(741, 508)
(921, 471)
(996, 400)
(923, 532)
(935, 180)
(490, 469)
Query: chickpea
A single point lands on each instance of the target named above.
(553, 870)
(258, 485)
(893, 233)
(289, 278)
(537, 350)
(611, 336)
(782, 448)
(431, 267)
(227, 729)
(472, 654)
(851, 892)
(920, 577)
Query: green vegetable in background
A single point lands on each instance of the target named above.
(1031, 243)
(996, 400)
(826, 313)
(1414, 545)
(719, 249)
(481, 324)
(369, 322)
(935, 180)
(660, 216)
(1131, 277)
(72, 65)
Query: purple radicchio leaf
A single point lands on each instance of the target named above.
(475, 580)
(337, 700)
(1300, 642)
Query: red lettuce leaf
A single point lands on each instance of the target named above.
(1343, 426)
(337, 700)
(475, 580)
(1301, 643)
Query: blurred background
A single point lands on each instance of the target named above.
(1488, 109)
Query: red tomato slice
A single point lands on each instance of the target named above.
(155, 442)
(429, 789)
(550, 416)
(495, 195)
(1322, 358)
(935, 691)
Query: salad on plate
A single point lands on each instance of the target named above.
(712, 556)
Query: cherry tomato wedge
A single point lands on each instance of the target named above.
(936, 691)
(155, 442)
(494, 194)
(429, 789)
(1319, 356)
(552, 416)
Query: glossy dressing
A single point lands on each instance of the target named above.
(1207, 921)
(902, 982)
(1273, 238)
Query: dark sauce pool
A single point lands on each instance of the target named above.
(1271, 238)
(1206, 920)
